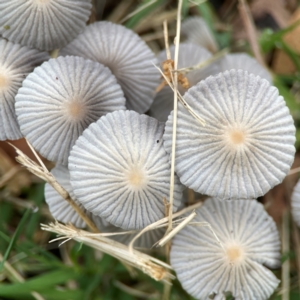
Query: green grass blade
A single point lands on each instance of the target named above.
(15, 236)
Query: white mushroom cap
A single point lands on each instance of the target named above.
(120, 170)
(296, 203)
(250, 241)
(196, 31)
(63, 212)
(247, 145)
(15, 64)
(189, 55)
(60, 99)
(43, 24)
(244, 62)
(127, 56)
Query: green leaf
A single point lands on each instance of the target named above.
(38, 284)
(15, 236)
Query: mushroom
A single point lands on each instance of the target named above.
(43, 24)
(295, 203)
(127, 56)
(195, 30)
(16, 62)
(120, 170)
(190, 55)
(63, 212)
(247, 145)
(245, 62)
(60, 99)
(233, 257)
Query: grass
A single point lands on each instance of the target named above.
(76, 271)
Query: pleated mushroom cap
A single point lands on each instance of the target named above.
(15, 64)
(250, 242)
(60, 99)
(195, 30)
(245, 62)
(120, 170)
(189, 55)
(43, 24)
(296, 203)
(127, 56)
(62, 211)
(247, 145)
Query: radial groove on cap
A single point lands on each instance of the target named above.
(43, 24)
(16, 62)
(295, 202)
(244, 62)
(249, 241)
(120, 170)
(190, 55)
(60, 99)
(126, 54)
(247, 145)
(194, 30)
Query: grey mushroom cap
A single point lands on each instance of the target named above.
(295, 203)
(60, 99)
(247, 144)
(120, 170)
(190, 55)
(127, 56)
(43, 24)
(16, 62)
(245, 62)
(195, 30)
(234, 260)
(62, 211)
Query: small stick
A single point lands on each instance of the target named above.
(250, 29)
(293, 171)
(166, 36)
(285, 250)
(44, 174)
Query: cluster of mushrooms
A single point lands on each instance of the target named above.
(85, 110)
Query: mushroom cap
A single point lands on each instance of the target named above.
(60, 99)
(127, 56)
(189, 55)
(120, 170)
(60, 209)
(195, 30)
(247, 144)
(43, 24)
(250, 241)
(16, 62)
(296, 203)
(243, 61)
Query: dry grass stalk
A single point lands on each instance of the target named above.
(151, 266)
(250, 29)
(9, 175)
(285, 277)
(205, 63)
(43, 173)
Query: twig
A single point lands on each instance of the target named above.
(8, 267)
(151, 266)
(177, 40)
(293, 171)
(250, 29)
(296, 240)
(285, 250)
(44, 174)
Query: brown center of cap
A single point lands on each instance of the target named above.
(3, 81)
(234, 253)
(136, 178)
(76, 110)
(237, 137)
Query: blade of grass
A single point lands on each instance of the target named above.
(15, 237)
